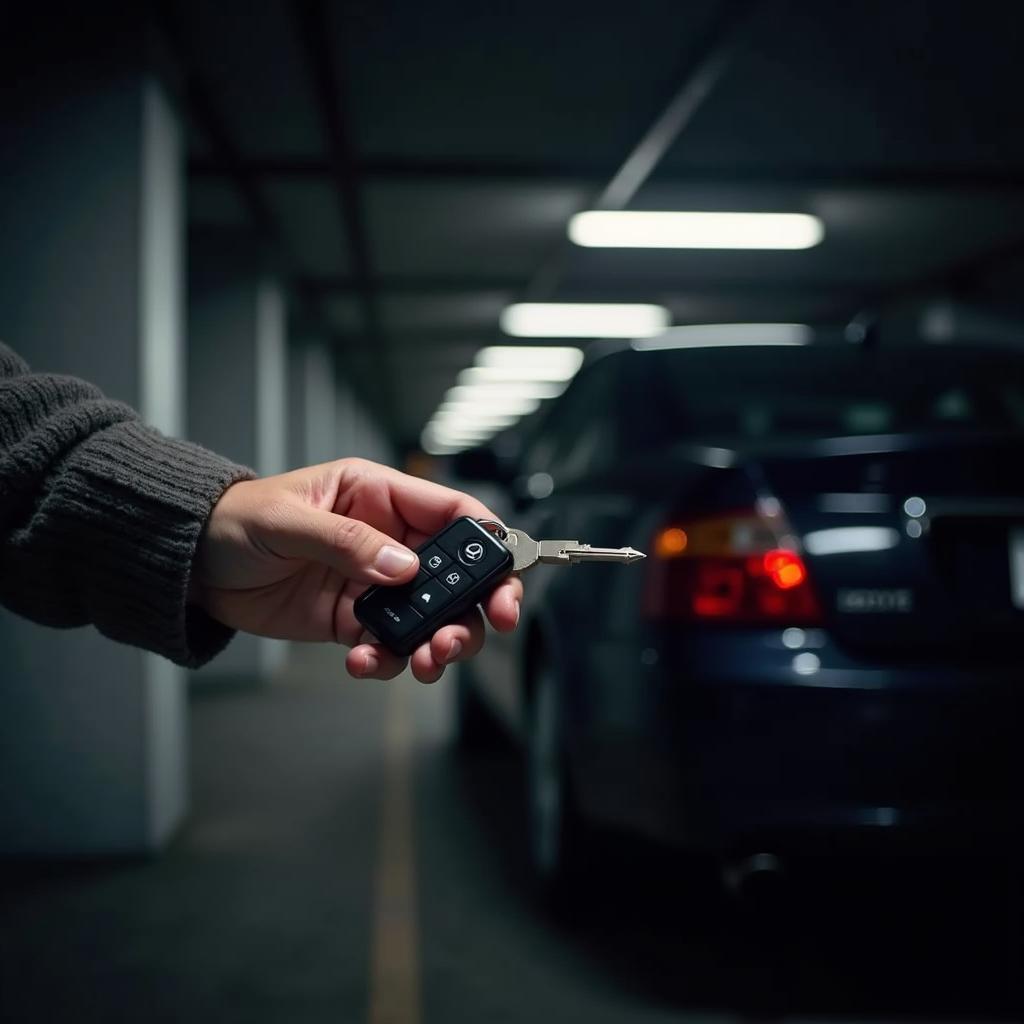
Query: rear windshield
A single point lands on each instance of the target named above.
(781, 393)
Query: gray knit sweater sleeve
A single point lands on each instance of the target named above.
(100, 516)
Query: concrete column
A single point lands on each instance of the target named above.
(237, 383)
(92, 734)
(358, 432)
(312, 403)
(326, 416)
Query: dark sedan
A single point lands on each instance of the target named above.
(826, 642)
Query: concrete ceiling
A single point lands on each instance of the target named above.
(415, 165)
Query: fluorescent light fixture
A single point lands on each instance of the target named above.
(646, 229)
(726, 335)
(503, 388)
(454, 434)
(472, 398)
(459, 440)
(508, 382)
(583, 320)
(474, 413)
(455, 423)
(435, 447)
(531, 362)
(843, 540)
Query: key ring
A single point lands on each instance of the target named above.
(500, 530)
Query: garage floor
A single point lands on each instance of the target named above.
(343, 864)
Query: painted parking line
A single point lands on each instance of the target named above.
(394, 955)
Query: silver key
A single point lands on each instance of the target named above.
(527, 552)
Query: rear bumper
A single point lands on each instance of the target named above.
(703, 744)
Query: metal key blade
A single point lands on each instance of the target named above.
(559, 552)
(527, 552)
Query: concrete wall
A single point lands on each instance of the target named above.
(238, 395)
(92, 734)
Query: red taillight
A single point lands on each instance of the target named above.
(735, 568)
(786, 569)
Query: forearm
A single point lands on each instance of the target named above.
(100, 516)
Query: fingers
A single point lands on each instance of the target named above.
(454, 642)
(424, 506)
(503, 605)
(349, 546)
(366, 661)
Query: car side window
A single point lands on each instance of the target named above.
(577, 437)
(587, 438)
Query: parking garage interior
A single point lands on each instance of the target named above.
(285, 231)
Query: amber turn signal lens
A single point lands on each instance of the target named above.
(670, 543)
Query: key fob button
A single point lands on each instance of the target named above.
(430, 597)
(456, 579)
(473, 547)
(434, 560)
(471, 552)
(390, 614)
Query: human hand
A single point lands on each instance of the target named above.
(286, 557)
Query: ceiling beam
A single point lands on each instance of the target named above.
(702, 69)
(697, 83)
(203, 109)
(314, 30)
(611, 289)
(427, 172)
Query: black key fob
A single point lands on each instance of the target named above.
(459, 567)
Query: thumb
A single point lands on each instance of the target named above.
(349, 546)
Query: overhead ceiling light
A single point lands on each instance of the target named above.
(726, 335)
(584, 320)
(435, 447)
(452, 432)
(488, 387)
(474, 399)
(461, 421)
(531, 362)
(474, 413)
(440, 437)
(648, 229)
(454, 421)
(488, 395)
(452, 426)
(545, 384)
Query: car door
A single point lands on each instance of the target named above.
(546, 501)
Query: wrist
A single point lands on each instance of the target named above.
(214, 541)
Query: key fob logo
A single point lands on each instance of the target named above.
(434, 561)
(452, 578)
(472, 552)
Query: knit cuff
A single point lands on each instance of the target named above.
(138, 502)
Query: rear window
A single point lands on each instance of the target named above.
(799, 393)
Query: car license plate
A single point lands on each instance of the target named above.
(1017, 567)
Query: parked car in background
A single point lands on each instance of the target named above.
(826, 641)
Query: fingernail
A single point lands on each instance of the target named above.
(370, 665)
(518, 610)
(392, 561)
(453, 651)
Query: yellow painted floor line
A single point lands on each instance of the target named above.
(394, 956)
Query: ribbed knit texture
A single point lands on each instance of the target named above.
(100, 516)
